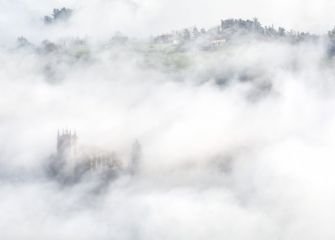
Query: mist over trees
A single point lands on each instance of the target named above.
(223, 132)
(173, 53)
(233, 29)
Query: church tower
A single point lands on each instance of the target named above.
(66, 144)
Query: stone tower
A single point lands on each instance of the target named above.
(66, 144)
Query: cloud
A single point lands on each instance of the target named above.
(236, 143)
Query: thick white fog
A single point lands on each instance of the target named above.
(236, 143)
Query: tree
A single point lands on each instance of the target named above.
(331, 34)
(48, 20)
(257, 24)
(186, 35)
(23, 42)
(281, 31)
(195, 32)
(61, 14)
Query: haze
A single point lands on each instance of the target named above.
(233, 127)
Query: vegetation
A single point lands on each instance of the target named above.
(61, 14)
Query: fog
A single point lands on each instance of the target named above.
(236, 143)
(99, 18)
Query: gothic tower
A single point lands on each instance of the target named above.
(66, 144)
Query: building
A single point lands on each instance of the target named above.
(72, 163)
(66, 144)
